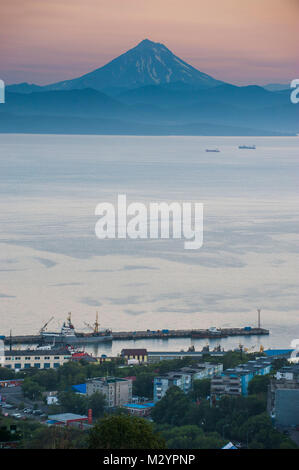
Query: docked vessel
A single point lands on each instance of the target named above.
(250, 147)
(68, 334)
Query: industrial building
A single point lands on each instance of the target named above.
(235, 381)
(283, 397)
(68, 419)
(40, 359)
(158, 356)
(139, 355)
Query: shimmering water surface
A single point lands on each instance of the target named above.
(51, 261)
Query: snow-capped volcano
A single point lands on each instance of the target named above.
(149, 63)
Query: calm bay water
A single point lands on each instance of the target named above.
(51, 261)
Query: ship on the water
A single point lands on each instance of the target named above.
(250, 147)
(68, 334)
(213, 150)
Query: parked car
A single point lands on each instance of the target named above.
(16, 415)
(27, 410)
(37, 412)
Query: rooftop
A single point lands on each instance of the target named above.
(134, 352)
(64, 417)
(108, 379)
(293, 368)
(139, 407)
(34, 352)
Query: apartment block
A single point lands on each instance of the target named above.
(235, 381)
(116, 390)
(183, 378)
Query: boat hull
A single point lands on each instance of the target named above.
(77, 339)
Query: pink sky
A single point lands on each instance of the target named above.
(239, 41)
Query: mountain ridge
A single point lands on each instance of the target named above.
(147, 63)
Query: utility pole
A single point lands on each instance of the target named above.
(259, 317)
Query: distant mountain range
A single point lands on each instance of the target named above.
(148, 90)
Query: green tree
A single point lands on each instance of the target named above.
(32, 389)
(200, 389)
(259, 384)
(6, 374)
(97, 402)
(190, 437)
(172, 408)
(143, 385)
(56, 437)
(124, 432)
(72, 402)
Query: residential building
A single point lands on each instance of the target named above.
(203, 370)
(139, 355)
(117, 391)
(40, 359)
(184, 377)
(163, 383)
(235, 381)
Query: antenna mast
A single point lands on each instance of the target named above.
(259, 317)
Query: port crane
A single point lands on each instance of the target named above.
(43, 328)
(96, 326)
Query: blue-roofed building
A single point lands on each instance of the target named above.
(278, 352)
(142, 409)
(81, 388)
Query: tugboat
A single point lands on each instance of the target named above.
(68, 334)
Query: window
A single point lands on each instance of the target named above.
(56, 357)
(47, 365)
(7, 358)
(17, 358)
(47, 358)
(56, 364)
(37, 365)
(17, 366)
(27, 358)
(27, 366)
(37, 358)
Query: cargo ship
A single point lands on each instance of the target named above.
(68, 334)
(250, 147)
